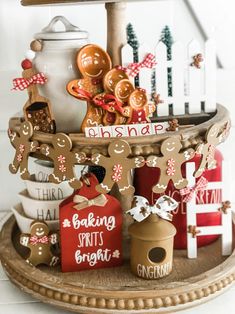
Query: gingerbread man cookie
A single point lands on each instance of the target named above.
(93, 63)
(140, 109)
(64, 160)
(123, 90)
(23, 146)
(170, 164)
(207, 150)
(118, 167)
(39, 242)
(197, 60)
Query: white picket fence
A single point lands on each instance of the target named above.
(193, 89)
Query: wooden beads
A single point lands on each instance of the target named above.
(36, 45)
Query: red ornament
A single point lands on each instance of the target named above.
(26, 64)
(146, 177)
(91, 229)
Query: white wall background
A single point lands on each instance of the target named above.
(18, 24)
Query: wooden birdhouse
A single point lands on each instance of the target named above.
(152, 238)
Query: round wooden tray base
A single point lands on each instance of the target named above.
(116, 290)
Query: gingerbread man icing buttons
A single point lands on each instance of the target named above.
(23, 146)
(123, 90)
(64, 160)
(170, 164)
(207, 150)
(118, 167)
(140, 109)
(39, 241)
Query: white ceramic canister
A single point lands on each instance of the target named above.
(57, 60)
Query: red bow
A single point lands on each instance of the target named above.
(22, 83)
(34, 240)
(133, 69)
(106, 101)
(200, 186)
(82, 94)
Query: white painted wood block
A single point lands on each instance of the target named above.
(92, 132)
(145, 74)
(210, 76)
(161, 79)
(119, 131)
(194, 79)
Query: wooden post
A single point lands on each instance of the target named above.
(116, 30)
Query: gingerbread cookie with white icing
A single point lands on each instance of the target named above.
(23, 146)
(64, 160)
(118, 167)
(207, 150)
(39, 241)
(170, 164)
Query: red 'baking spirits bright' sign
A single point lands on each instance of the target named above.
(90, 229)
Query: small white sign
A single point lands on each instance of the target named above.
(128, 130)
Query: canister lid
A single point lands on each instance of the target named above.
(71, 32)
(152, 228)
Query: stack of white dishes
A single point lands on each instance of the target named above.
(41, 199)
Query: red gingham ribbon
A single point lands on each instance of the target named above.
(200, 186)
(22, 83)
(133, 69)
(34, 240)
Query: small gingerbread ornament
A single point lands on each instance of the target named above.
(197, 60)
(207, 150)
(170, 164)
(93, 63)
(64, 160)
(118, 167)
(39, 241)
(123, 90)
(173, 125)
(140, 109)
(23, 146)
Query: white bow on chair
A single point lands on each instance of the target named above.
(162, 207)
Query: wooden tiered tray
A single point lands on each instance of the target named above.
(116, 290)
(143, 145)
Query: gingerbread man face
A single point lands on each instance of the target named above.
(26, 130)
(171, 146)
(39, 229)
(138, 99)
(112, 78)
(119, 148)
(123, 90)
(61, 141)
(93, 62)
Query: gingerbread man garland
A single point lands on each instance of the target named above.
(207, 150)
(23, 146)
(118, 167)
(170, 164)
(64, 160)
(39, 242)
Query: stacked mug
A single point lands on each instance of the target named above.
(41, 199)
